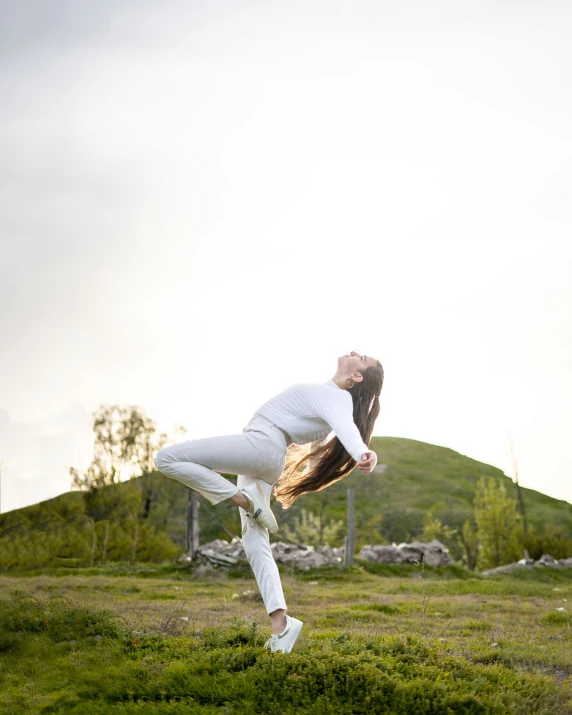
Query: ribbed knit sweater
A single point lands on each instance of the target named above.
(310, 411)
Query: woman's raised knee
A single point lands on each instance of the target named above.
(162, 458)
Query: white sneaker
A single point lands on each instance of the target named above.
(283, 642)
(260, 512)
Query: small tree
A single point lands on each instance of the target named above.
(310, 529)
(499, 525)
(124, 439)
(470, 543)
(117, 433)
(434, 528)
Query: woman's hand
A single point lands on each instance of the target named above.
(368, 463)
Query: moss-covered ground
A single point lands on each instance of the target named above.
(377, 639)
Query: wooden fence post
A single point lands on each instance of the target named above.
(350, 538)
(193, 524)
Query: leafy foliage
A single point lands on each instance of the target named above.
(470, 543)
(310, 529)
(434, 528)
(124, 437)
(554, 540)
(499, 525)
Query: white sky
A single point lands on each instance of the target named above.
(201, 204)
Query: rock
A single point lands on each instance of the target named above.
(221, 552)
(381, 554)
(337, 552)
(410, 553)
(232, 549)
(544, 561)
(434, 553)
(507, 568)
(305, 557)
(229, 553)
(218, 558)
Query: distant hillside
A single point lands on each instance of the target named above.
(420, 477)
(390, 506)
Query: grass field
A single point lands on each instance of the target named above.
(376, 639)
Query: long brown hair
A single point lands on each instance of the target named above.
(330, 460)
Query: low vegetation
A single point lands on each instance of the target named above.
(150, 638)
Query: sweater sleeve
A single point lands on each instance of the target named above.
(340, 418)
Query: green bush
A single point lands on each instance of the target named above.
(558, 618)
(226, 670)
(554, 540)
(83, 543)
(57, 618)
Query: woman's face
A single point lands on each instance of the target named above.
(354, 362)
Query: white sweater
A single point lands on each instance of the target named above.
(310, 411)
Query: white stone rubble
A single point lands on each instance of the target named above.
(544, 561)
(433, 552)
(228, 553)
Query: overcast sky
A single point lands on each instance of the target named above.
(204, 203)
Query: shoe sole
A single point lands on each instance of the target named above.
(272, 525)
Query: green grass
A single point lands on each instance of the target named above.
(449, 642)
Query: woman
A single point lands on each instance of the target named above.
(303, 414)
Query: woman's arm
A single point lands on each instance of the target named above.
(339, 417)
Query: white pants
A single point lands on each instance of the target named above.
(256, 455)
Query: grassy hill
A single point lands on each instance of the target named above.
(390, 506)
(420, 477)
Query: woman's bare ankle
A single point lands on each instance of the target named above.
(278, 620)
(240, 500)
